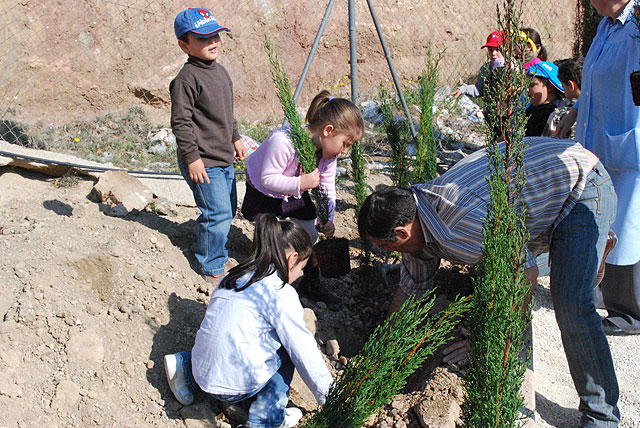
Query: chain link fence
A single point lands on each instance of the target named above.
(92, 77)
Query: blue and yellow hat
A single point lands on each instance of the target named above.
(549, 71)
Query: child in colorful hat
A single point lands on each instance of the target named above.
(545, 93)
(495, 60)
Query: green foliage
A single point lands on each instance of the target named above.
(359, 175)
(501, 309)
(394, 351)
(397, 135)
(69, 179)
(304, 146)
(257, 130)
(425, 168)
(587, 20)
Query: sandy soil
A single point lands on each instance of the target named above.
(90, 304)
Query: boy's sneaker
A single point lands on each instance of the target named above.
(292, 416)
(174, 368)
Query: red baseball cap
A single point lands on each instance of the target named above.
(494, 40)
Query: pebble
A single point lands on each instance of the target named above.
(332, 347)
(150, 364)
(153, 408)
(129, 369)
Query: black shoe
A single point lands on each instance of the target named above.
(613, 330)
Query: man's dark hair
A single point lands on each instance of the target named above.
(385, 210)
(184, 37)
(570, 69)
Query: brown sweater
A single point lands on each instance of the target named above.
(202, 113)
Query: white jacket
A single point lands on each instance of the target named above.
(236, 345)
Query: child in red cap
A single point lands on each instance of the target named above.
(495, 60)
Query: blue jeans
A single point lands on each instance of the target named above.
(267, 411)
(577, 246)
(217, 204)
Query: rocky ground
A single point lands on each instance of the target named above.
(94, 297)
(92, 302)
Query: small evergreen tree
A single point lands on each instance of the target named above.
(359, 174)
(394, 350)
(305, 148)
(396, 136)
(501, 309)
(426, 155)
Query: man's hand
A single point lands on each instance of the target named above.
(456, 93)
(328, 228)
(197, 172)
(456, 353)
(564, 126)
(310, 181)
(241, 150)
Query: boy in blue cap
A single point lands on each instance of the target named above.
(206, 134)
(545, 93)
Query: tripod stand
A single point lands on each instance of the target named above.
(353, 56)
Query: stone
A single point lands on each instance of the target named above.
(445, 419)
(199, 415)
(118, 187)
(310, 320)
(234, 412)
(332, 348)
(9, 388)
(67, 395)
(86, 349)
(300, 395)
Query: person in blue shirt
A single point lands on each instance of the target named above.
(608, 124)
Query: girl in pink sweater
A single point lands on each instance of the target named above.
(276, 184)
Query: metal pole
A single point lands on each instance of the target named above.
(353, 53)
(391, 68)
(312, 53)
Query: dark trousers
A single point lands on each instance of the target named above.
(621, 293)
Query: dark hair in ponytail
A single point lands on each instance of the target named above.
(271, 239)
(535, 38)
(339, 112)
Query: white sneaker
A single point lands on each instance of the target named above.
(175, 376)
(292, 416)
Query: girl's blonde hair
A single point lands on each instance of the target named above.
(339, 112)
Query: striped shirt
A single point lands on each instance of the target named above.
(452, 207)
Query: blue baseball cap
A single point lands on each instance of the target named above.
(549, 71)
(198, 21)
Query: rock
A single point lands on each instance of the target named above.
(400, 403)
(163, 206)
(234, 412)
(118, 187)
(118, 210)
(67, 394)
(86, 349)
(199, 415)
(445, 419)
(153, 408)
(9, 388)
(141, 275)
(310, 320)
(332, 348)
(300, 395)
(441, 410)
